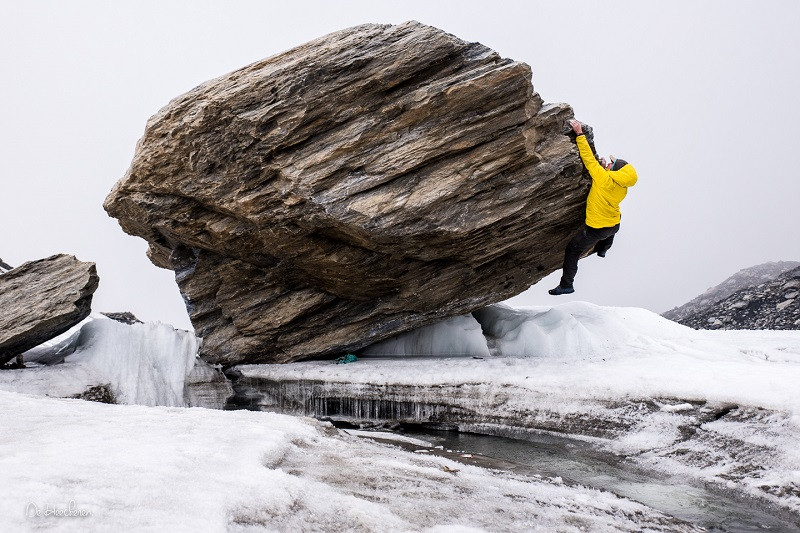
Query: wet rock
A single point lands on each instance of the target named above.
(370, 182)
(42, 299)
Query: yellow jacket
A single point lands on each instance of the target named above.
(609, 188)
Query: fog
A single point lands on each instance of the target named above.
(701, 97)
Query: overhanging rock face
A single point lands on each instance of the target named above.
(372, 181)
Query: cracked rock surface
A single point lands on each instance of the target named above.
(43, 299)
(369, 182)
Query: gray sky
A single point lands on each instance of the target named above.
(703, 98)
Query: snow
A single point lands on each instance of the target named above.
(677, 408)
(594, 352)
(176, 469)
(581, 362)
(387, 435)
(164, 468)
(144, 364)
(456, 336)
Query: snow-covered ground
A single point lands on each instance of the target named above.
(719, 407)
(142, 364)
(118, 468)
(716, 406)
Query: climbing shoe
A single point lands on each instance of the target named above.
(561, 290)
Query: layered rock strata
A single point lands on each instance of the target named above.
(42, 299)
(364, 184)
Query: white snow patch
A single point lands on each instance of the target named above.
(455, 336)
(144, 364)
(580, 350)
(677, 408)
(166, 469)
(387, 435)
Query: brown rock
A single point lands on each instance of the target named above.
(372, 181)
(42, 299)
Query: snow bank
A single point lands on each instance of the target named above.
(145, 364)
(140, 468)
(721, 407)
(460, 335)
(579, 350)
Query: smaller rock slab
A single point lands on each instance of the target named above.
(42, 299)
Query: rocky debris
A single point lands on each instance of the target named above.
(125, 317)
(42, 299)
(369, 182)
(770, 305)
(207, 387)
(97, 393)
(746, 278)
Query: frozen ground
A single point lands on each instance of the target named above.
(718, 407)
(115, 468)
(715, 406)
(141, 364)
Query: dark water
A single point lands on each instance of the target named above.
(578, 462)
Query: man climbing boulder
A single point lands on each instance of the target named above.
(610, 183)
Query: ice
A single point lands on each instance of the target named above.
(145, 364)
(649, 378)
(624, 379)
(167, 469)
(460, 335)
(388, 435)
(590, 351)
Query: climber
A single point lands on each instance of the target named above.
(610, 182)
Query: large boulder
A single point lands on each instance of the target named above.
(43, 299)
(372, 181)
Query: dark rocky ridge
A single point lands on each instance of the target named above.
(744, 279)
(42, 299)
(364, 184)
(126, 317)
(772, 304)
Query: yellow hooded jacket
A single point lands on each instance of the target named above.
(609, 188)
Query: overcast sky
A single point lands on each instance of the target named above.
(703, 98)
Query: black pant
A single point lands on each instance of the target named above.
(600, 238)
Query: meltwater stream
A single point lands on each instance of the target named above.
(575, 461)
(540, 453)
